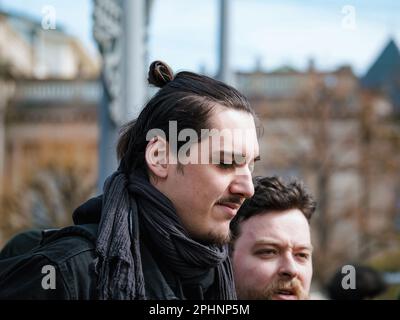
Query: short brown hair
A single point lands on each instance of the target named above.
(273, 194)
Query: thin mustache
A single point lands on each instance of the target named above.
(292, 285)
(235, 200)
(288, 284)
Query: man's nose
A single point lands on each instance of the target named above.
(243, 184)
(288, 267)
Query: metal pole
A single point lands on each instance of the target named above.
(7, 90)
(134, 58)
(224, 72)
(119, 29)
(2, 144)
(108, 131)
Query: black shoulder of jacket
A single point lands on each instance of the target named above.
(61, 244)
(69, 252)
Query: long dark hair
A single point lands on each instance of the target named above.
(187, 98)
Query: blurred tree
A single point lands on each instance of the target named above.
(375, 140)
(47, 198)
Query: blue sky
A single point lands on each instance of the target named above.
(286, 32)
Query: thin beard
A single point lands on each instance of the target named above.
(217, 239)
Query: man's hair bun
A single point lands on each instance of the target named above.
(160, 74)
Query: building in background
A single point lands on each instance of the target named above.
(339, 133)
(29, 51)
(342, 137)
(382, 81)
(48, 144)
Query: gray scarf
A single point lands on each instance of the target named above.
(126, 201)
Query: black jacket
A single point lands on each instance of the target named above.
(71, 251)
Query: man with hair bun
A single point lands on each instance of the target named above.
(160, 229)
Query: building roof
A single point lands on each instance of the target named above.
(384, 74)
(386, 68)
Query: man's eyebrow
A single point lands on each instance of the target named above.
(222, 155)
(234, 155)
(267, 241)
(305, 247)
(275, 243)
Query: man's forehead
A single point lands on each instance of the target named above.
(231, 132)
(221, 113)
(286, 227)
(231, 119)
(239, 142)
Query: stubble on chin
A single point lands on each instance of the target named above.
(218, 239)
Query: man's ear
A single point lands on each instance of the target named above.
(156, 156)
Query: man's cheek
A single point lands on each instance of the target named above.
(258, 274)
(242, 269)
(307, 277)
